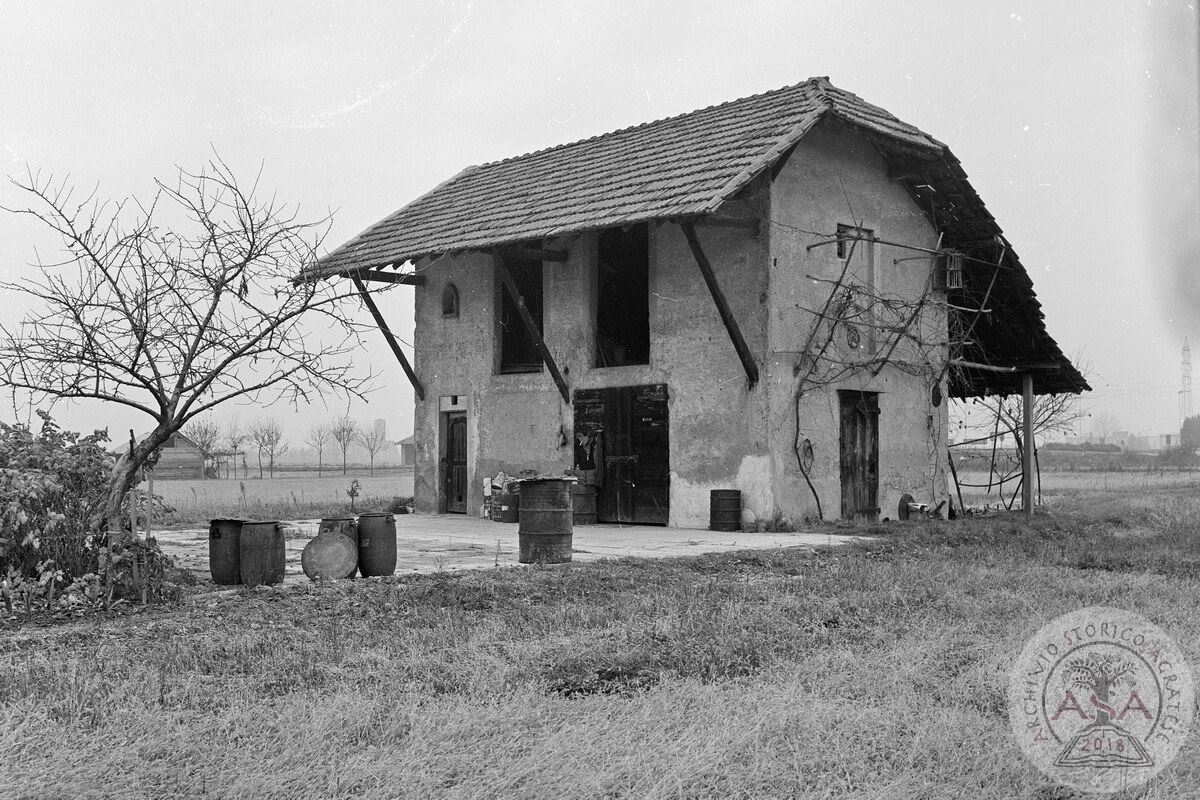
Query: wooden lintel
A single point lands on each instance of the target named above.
(739, 223)
(531, 327)
(369, 302)
(379, 276)
(731, 326)
(536, 254)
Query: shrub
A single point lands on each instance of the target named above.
(51, 487)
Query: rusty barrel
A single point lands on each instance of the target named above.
(262, 553)
(583, 504)
(346, 526)
(725, 510)
(544, 535)
(376, 544)
(224, 555)
(329, 555)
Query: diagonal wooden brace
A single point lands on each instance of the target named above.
(731, 326)
(530, 326)
(387, 334)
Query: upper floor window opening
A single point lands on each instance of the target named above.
(518, 351)
(623, 296)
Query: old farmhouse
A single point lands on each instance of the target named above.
(776, 294)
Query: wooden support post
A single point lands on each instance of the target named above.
(1027, 444)
(387, 334)
(530, 326)
(731, 326)
(379, 276)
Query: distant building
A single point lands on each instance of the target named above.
(408, 451)
(179, 457)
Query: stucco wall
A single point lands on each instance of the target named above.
(836, 176)
(517, 422)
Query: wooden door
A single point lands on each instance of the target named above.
(859, 446)
(624, 433)
(456, 464)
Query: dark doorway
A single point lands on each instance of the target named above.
(859, 445)
(623, 297)
(622, 434)
(455, 460)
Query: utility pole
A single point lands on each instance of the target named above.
(1185, 389)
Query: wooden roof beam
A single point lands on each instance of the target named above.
(731, 326)
(536, 254)
(387, 334)
(379, 276)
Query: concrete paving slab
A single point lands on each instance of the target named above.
(452, 542)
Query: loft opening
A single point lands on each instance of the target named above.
(623, 296)
(518, 352)
(450, 301)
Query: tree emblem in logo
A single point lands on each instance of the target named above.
(1101, 699)
(1104, 742)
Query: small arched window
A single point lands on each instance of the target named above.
(450, 301)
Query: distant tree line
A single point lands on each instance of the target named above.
(1083, 447)
(227, 445)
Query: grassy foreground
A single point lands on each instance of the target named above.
(877, 671)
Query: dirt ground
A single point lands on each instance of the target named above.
(452, 543)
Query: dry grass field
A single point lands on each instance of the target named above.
(287, 496)
(877, 671)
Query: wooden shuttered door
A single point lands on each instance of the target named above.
(622, 433)
(859, 446)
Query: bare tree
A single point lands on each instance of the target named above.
(206, 434)
(372, 440)
(234, 438)
(267, 438)
(318, 435)
(276, 447)
(344, 431)
(173, 306)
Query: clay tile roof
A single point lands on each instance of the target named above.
(672, 167)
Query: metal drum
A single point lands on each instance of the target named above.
(544, 535)
(376, 544)
(224, 556)
(583, 504)
(329, 555)
(262, 551)
(725, 510)
(346, 526)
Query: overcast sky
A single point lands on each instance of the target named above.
(1076, 121)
